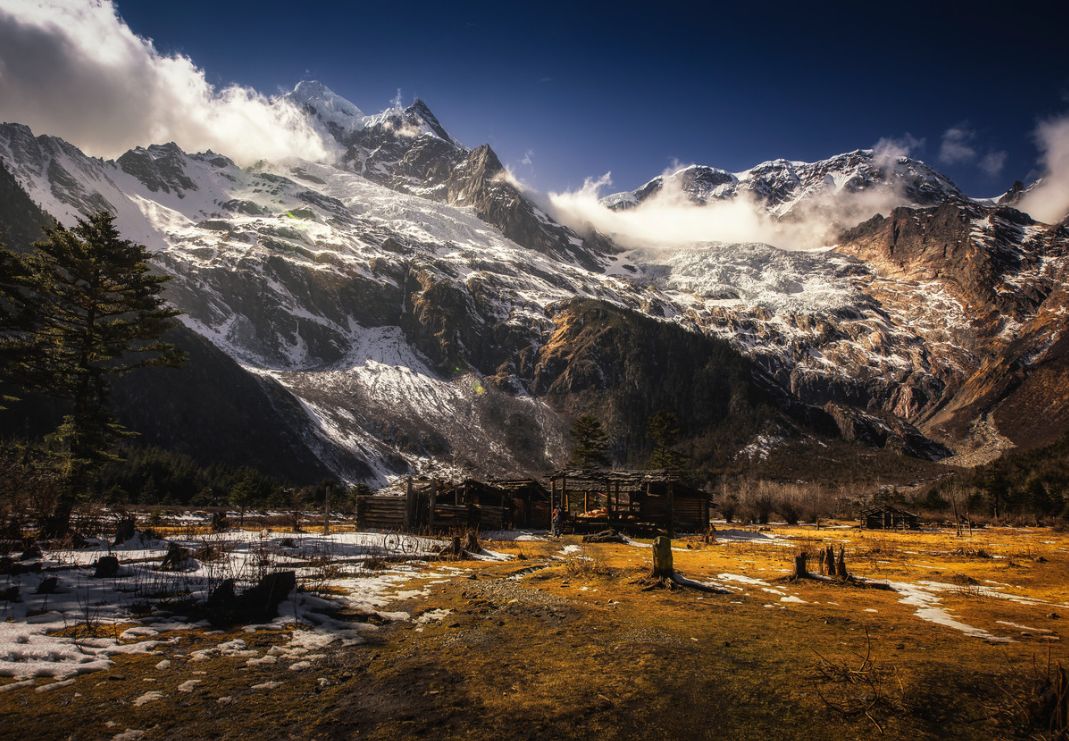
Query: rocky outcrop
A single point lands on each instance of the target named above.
(481, 182)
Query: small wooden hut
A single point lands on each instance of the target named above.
(449, 506)
(887, 517)
(647, 502)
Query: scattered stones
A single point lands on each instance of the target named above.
(151, 696)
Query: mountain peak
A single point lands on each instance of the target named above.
(422, 111)
(339, 115)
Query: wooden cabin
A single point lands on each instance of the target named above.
(453, 506)
(647, 502)
(529, 499)
(889, 518)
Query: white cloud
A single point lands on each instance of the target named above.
(528, 158)
(669, 219)
(1048, 201)
(890, 149)
(992, 163)
(74, 69)
(956, 146)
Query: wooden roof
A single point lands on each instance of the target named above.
(887, 508)
(626, 479)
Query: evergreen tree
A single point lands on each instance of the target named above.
(664, 432)
(591, 443)
(99, 314)
(18, 314)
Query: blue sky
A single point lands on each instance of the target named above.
(590, 87)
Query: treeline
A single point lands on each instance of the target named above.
(1023, 486)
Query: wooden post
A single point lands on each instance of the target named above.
(840, 567)
(434, 500)
(564, 494)
(800, 570)
(552, 499)
(408, 503)
(662, 558)
(326, 511)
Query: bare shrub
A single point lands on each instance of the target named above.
(860, 686)
(587, 567)
(756, 501)
(1036, 700)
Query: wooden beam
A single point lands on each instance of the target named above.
(433, 501)
(552, 499)
(408, 503)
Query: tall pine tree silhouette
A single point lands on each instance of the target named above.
(665, 434)
(591, 443)
(99, 314)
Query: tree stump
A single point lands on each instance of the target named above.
(177, 559)
(840, 566)
(107, 567)
(829, 560)
(222, 604)
(820, 560)
(454, 551)
(219, 522)
(662, 558)
(800, 570)
(127, 529)
(471, 545)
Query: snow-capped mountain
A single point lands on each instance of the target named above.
(424, 312)
(786, 188)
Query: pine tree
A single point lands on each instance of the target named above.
(99, 315)
(591, 443)
(18, 314)
(664, 432)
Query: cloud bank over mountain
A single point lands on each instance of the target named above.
(1049, 200)
(75, 69)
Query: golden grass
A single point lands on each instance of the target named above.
(568, 645)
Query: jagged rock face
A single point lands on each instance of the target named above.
(1009, 275)
(159, 167)
(625, 367)
(976, 251)
(481, 182)
(21, 222)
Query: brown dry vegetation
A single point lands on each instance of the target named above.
(555, 645)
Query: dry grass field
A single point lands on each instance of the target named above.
(565, 640)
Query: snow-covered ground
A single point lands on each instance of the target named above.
(103, 617)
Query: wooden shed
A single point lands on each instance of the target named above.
(452, 506)
(889, 518)
(648, 502)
